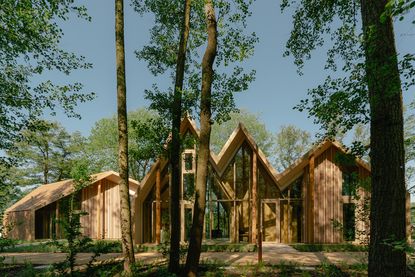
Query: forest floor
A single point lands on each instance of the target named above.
(272, 254)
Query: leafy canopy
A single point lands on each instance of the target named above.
(146, 139)
(29, 46)
(341, 102)
(234, 46)
(291, 143)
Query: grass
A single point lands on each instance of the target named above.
(218, 269)
(344, 247)
(48, 247)
(114, 246)
(231, 247)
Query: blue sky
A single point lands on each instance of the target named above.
(275, 91)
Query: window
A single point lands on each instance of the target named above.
(349, 232)
(349, 183)
(188, 161)
(294, 190)
(188, 186)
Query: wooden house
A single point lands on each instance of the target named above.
(311, 201)
(33, 216)
(318, 199)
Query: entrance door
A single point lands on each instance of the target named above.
(270, 220)
(291, 221)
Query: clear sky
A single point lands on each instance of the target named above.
(275, 91)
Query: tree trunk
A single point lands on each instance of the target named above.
(126, 237)
(174, 260)
(193, 254)
(387, 150)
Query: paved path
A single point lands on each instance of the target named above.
(272, 254)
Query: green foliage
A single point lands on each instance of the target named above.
(147, 135)
(234, 46)
(327, 269)
(71, 222)
(252, 122)
(30, 47)
(343, 247)
(291, 144)
(398, 8)
(229, 247)
(340, 103)
(287, 268)
(45, 155)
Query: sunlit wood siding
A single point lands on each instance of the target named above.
(20, 225)
(90, 205)
(112, 210)
(327, 198)
(102, 203)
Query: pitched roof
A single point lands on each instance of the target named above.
(49, 193)
(240, 135)
(219, 162)
(296, 169)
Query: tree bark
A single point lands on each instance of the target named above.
(126, 233)
(174, 259)
(193, 254)
(387, 149)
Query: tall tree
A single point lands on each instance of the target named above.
(125, 210)
(370, 93)
(161, 55)
(291, 144)
(387, 214)
(196, 232)
(175, 152)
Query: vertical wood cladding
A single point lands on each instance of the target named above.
(109, 223)
(328, 206)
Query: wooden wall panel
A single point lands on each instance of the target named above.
(22, 225)
(327, 199)
(112, 210)
(307, 206)
(90, 204)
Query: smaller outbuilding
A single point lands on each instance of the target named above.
(34, 216)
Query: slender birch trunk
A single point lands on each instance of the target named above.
(126, 233)
(193, 254)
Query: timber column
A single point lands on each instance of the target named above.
(310, 197)
(254, 198)
(100, 212)
(158, 207)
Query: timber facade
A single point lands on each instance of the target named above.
(318, 199)
(321, 198)
(36, 216)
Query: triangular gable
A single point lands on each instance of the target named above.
(296, 169)
(49, 193)
(187, 125)
(219, 162)
(231, 147)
